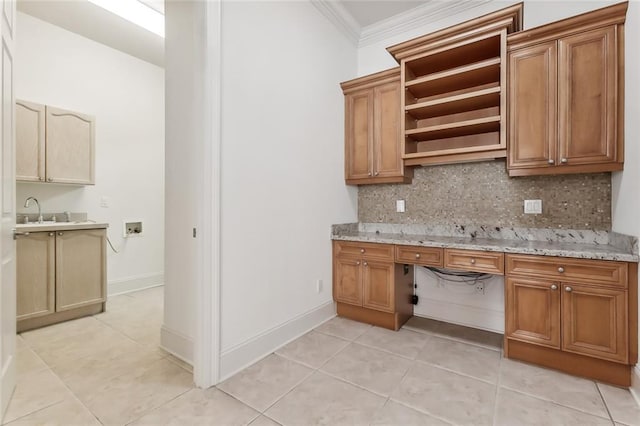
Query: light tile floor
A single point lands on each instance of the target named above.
(342, 373)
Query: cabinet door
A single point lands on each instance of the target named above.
(30, 134)
(595, 321)
(533, 311)
(70, 147)
(348, 281)
(358, 134)
(35, 255)
(532, 106)
(387, 157)
(587, 73)
(80, 268)
(378, 285)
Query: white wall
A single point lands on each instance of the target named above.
(59, 68)
(480, 309)
(282, 172)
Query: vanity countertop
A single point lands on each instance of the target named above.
(59, 226)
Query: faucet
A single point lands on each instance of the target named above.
(27, 203)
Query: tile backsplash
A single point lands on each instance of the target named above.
(484, 194)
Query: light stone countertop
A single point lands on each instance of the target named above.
(596, 251)
(59, 226)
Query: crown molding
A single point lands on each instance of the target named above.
(340, 17)
(414, 18)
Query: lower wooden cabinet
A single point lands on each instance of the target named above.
(60, 275)
(585, 327)
(369, 286)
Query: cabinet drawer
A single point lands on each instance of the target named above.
(428, 256)
(367, 250)
(476, 261)
(601, 272)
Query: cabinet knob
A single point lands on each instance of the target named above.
(554, 287)
(51, 234)
(568, 289)
(376, 174)
(560, 269)
(40, 178)
(60, 233)
(366, 264)
(417, 255)
(550, 161)
(361, 250)
(473, 261)
(49, 180)
(358, 262)
(369, 173)
(564, 161)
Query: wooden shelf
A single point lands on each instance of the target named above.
(451, 130)
(476, 74)
(478, 99)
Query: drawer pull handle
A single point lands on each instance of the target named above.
(550, 161)
(560, 269)
(554, 287)
(358, 262)
(366, 264)
(51, 234)
(568, 289)
(60, 233)
(473, 261)
(417, 255)
(361, 250)
(564, 161)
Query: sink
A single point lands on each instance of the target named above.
(45, 223)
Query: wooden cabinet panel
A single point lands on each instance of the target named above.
(595, 321)
(533, 106)
(533, 311)
(378, 286)
(80, 268)
(35, 258)
(476, 261)
(367, 250)
(601, 272)
(70, 147)
(386, 142)
(359, 134)
(30, 142)
(427, 256)
(587, 69)
(347, 281)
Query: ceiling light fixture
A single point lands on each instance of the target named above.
(135, 12)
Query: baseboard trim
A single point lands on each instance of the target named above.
(177, 344)
(470, 316)
(247, 353)
(134, 283)
(635, 384)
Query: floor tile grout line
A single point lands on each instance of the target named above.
(459, 373)
(33, 412)
(604, 401)
(539, 398)
(497, 390)
(158, 406)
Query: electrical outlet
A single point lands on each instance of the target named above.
(533, 206)
(400, 206)
(319, 286)
(480, 288)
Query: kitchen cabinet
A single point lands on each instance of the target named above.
(372, 130)
(565, 97)
(579, 310)
(54, 145)
(60, 275)
(453, 96)
(369, 286)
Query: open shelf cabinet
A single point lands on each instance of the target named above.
(454, 91)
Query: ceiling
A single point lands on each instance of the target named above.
(367, 12)
(91, 21)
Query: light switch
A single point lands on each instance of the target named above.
(400, 206)
(533, 206)
(104, 201)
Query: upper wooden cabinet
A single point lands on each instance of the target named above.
(454, 90)
(54, 145)
(566, 89)
(372, 130)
